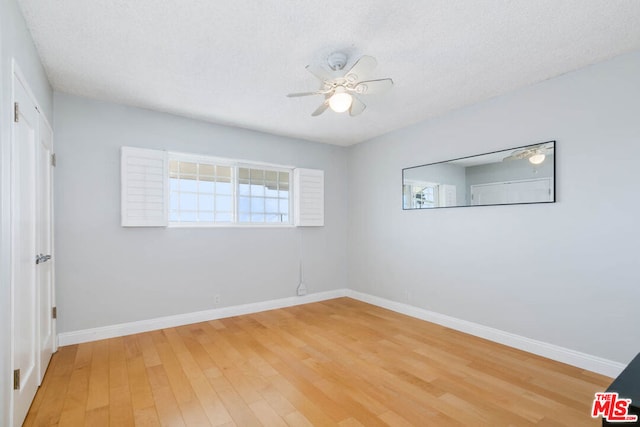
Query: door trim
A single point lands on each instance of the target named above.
(51, 219)
(45, 132)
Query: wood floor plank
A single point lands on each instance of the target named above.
(209, 399)
(267, 416)
(146, 417)
(75, 404)
(334, 363)
(296, 419)
(393, 419)
(233, 402)
(139, 387)
(120, 402)
(98, 396)
(52, 392)
(97, 417)
(277, 401)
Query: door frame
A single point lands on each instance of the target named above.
(17, 75)
(44, 123)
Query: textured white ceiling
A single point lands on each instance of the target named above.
(233, 62)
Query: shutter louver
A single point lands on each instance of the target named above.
(144, 194)
(309, 197)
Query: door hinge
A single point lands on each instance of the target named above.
(16, 379)
(53, 160)
(16, 112)
(54, 312)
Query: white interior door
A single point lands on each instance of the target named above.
(24, 300)
(44, 269)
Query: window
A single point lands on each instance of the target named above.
(159, 188)
(214, 191)
(420, 195)
(263, 195)
(200, 192)
(428, 196)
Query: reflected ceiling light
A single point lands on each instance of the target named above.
(538, 157)
(340, 101)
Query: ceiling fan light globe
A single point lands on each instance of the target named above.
(537, 158)
(340, 102)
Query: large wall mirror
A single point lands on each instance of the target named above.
(514, 176)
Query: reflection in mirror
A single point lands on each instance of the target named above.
(514, 176)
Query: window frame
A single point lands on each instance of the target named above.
(235, 165)
(413, 185)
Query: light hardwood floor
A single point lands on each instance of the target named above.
(338, 362)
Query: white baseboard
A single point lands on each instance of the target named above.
(122, 329)
(551, 351)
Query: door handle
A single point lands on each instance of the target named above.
(40, 258)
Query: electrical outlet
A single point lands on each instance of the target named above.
(216, 299)
(302, 289)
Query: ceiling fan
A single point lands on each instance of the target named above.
(536, 154)
(342, 93)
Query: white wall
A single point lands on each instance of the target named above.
(15, 42)
(107, 274)
(564, 273)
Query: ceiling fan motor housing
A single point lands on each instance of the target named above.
(337, 61)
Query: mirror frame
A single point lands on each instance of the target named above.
(506, 150)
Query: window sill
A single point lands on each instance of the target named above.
(179, 225)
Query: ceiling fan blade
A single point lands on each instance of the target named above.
(363, 67)
(357, 107)
(295, 95)
(523, 153)
(319, 72)
(321, 109)
(373, 86)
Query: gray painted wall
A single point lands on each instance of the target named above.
(564, 273)
(107, 274)
(15, 42)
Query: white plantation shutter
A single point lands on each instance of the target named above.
(144, 194)
(308, 197)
